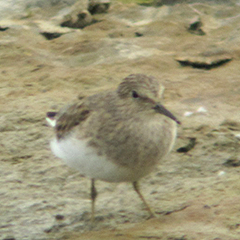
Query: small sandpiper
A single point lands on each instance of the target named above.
(115, 136)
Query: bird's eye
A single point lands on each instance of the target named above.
(134, 94)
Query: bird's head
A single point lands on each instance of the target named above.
(144, 93)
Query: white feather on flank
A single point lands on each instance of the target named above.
(51, 122)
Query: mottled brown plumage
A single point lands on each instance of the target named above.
(70, 117)
(116, 135)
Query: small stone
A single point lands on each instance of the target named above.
(221, 173)
(77, 16)
(77, 20)
(50, 31)
(195, 27)
(59, 217)
(187, 114)
(188, 147)
(206, 207)
(138, 34)
(232, 163)
(98, 6)
(201, 110)
(3, 28)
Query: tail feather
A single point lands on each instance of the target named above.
(51, 114)
(51, 118)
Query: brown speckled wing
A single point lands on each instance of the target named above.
(70, 117)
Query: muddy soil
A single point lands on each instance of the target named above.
(194, 50)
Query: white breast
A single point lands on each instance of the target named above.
(76, 154)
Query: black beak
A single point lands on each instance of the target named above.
(161, 109)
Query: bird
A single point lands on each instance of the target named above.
(117, 135)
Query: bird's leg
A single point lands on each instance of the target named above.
(93, 198)
(136, 188)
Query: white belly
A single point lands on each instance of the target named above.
(76, 154)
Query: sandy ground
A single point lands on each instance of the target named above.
(196, 195)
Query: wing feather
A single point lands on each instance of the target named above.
(70, 117)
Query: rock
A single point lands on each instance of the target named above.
(79, 19)
(77, 16)
(98, 6)
(59, 217)
(195, 27)
(188, 147)
(207, 60)
(232, 162)
(51, 31)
